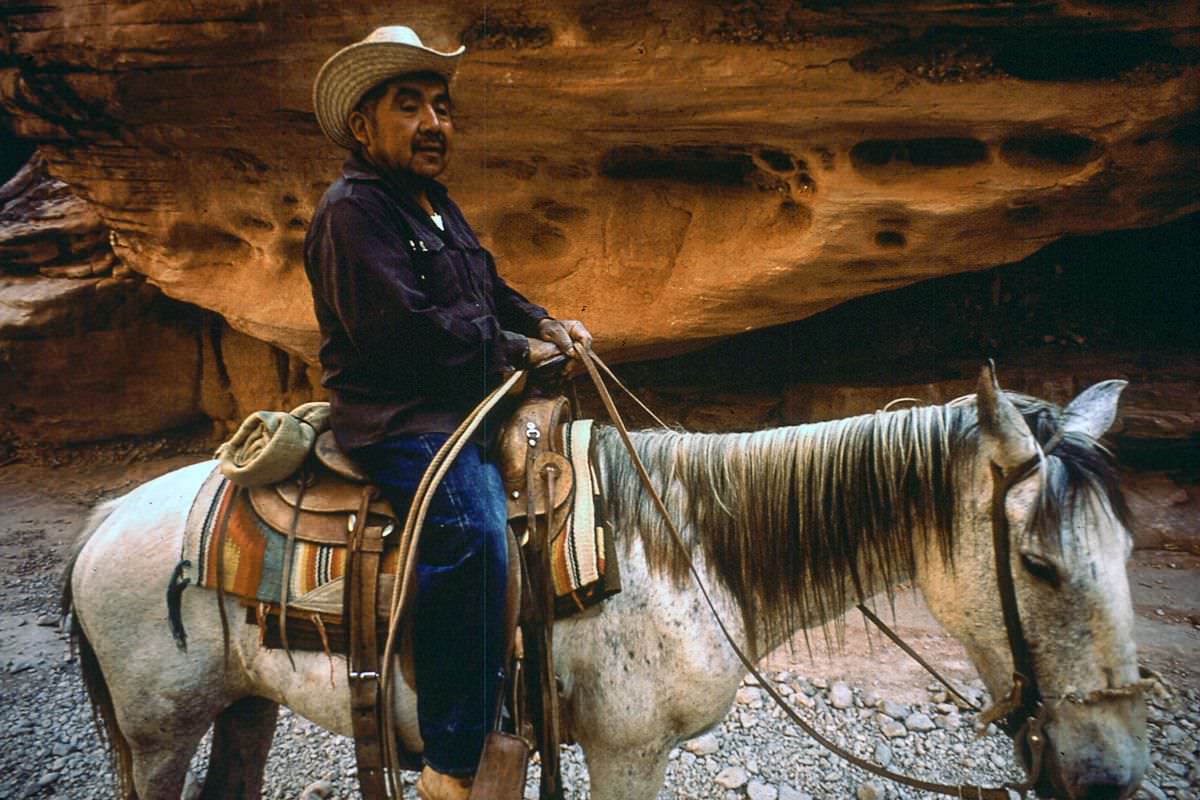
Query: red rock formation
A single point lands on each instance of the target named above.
(670, 171)
(90, 351)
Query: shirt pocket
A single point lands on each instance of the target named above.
(477, 279)
(438, 274)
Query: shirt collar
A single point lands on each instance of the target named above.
(357, 168)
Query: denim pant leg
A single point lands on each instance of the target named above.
(461, 576)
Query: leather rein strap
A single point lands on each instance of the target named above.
(999, 527)
(1024, 698)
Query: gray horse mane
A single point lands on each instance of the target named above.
(797, 521)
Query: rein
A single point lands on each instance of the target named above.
(1021, 714)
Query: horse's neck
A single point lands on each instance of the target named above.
(796, 524)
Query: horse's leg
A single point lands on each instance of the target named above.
(625, 774)
(241, 738)
(160, 770)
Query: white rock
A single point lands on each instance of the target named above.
(895, 710)
(883, 754)
(840, 695)
(871, 790)
(1150, 790)
(802, 699)
(317, 790)
(732, 778)
(950, 722)
(918, 722)
(891, 728)
(761, 791)
(749, 695)
(704, 745)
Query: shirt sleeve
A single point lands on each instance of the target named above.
(366, 276)
(515, 312)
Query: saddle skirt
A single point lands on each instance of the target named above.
(249, 564)
(250, 560)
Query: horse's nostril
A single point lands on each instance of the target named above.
(1101, 791)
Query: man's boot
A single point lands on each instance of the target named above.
(434, 785)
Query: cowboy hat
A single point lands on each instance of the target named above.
(354, 70)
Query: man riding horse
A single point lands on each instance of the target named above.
(416, 328)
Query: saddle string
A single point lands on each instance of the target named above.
(288, 548)
(959, 790)
(219, 548)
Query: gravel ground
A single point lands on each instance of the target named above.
(50, 750)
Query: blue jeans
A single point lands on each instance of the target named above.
(461, 572)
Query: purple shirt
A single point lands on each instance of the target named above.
(416, 325)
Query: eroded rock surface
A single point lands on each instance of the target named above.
(89, 350)
(669, 171)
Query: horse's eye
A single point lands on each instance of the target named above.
(1041, 568)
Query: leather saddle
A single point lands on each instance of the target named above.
(320, 503)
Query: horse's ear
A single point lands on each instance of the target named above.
(1001, 423)
(1094, 410)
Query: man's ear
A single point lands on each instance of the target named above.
(360, 127)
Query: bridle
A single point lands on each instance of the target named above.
(1022, 714)
(1024, 711)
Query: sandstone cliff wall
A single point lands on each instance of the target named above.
(669, 171)
(672, 172)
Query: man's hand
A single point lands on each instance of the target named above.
(565, 334)
(540, 351)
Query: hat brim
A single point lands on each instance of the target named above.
(355, 70)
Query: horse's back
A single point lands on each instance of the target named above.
(135, 548)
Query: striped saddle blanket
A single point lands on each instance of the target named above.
(249, 564)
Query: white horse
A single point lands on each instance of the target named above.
(789, 527)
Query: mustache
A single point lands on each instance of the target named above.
(429, 140)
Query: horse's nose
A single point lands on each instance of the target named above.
(1102, 791)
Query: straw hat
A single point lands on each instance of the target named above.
(353, 71)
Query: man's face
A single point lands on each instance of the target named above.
(409, 129)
